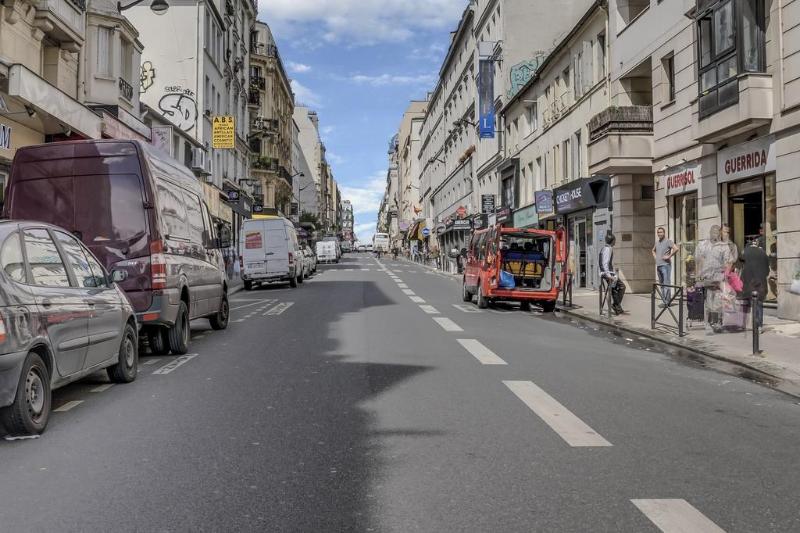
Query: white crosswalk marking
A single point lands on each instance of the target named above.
(278, 309)
(67, 406)
(466, 308)
(431, 310)
(568, 426)
(417, 299)
(481, 352)
(676, 516)
(447, 324)
(174, 364)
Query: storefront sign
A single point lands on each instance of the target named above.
(681, 180)
(223, 133)
(745, 160)
(480, 221)
(462, 224)
(582, 193)
(503, 215)
(5, 137)
(526, 217)
(544, 202)
(487, 203)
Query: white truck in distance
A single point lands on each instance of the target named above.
(380, 242)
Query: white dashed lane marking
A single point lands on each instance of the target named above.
(676, 516)
(408, 292)
(402, 285)
(417, 299)
(431, 310)
(174, 364)
(447, 324)
(481, 352)
(156, 360)
(466, 308)
(103, 388)
(67, 406)
(560, 419)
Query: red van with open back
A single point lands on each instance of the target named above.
(511, 264)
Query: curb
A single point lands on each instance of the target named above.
(793, 389)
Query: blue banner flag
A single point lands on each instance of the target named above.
(486, 98)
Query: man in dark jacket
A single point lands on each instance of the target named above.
(754, 277)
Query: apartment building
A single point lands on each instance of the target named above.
(720, 80)
(271, 103)
(312, 163)
(544, 179)
(408, 145)
(207, 81)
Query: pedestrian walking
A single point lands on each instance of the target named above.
(663, 251)
(609, 273)
(755, 271)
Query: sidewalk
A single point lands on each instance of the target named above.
(780, 342)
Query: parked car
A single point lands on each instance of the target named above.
(62, 317)
(347, 247)
(523, 265)
(271, 252)
(326, 252)
(139, 211)
(310, 260)
(362, 248)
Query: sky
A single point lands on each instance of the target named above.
(358, 63)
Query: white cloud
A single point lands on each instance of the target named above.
(434, 53)
(366, 198)
(363, 22)
(334, 158)
(391, 79)
(297, 68)
(364, 231)
(304, 95)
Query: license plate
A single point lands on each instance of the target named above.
(255, 265)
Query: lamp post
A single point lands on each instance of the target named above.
(159, 7)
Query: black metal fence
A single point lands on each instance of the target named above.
(663, 315)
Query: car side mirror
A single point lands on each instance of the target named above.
(118, 276)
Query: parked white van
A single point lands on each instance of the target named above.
(270, 252)
(327, 252)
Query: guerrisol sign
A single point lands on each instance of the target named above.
(681, 180)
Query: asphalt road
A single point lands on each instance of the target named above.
(372, 399)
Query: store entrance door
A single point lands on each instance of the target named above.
(579, 229)
(746, 211)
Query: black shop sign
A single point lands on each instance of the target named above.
(582, 193)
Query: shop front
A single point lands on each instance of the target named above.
(681, 186)
(746, 176)
(583, 206)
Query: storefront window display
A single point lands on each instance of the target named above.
(685, 232)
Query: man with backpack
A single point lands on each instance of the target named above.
(609, 274)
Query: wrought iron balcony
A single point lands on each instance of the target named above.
(125, 90)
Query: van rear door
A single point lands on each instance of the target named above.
(254, 256)
(277, 247)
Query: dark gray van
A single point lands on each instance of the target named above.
(137, 210)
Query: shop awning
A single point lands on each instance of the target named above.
(583, 193)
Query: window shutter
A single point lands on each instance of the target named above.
(587, 66)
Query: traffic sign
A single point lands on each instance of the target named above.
(426, 232)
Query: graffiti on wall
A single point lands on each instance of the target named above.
(147, 76)
(522, 72)
(179, 106)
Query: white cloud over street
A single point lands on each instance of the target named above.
(297, 68)
(366, 198)
(305, 96)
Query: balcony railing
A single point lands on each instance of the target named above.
(626, 119)
(125, 90)
(269, 164)
(254, 98)
(257, 83)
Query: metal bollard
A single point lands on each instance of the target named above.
(756, 328)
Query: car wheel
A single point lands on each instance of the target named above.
(248, 285)
(157, 338)
(30, 411)
(293, 282)
(549, 306)
(220, 319)
(483, 302)
(525, 306)
(465, 294)
(179, 333)
(127, 366)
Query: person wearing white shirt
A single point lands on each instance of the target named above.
(609, 273)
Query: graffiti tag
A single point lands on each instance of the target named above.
(180, 109)
(147, 76)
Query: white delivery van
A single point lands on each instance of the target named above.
(270, 252)
(327, 252)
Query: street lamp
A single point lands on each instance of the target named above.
(159, 7)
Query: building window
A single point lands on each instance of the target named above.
(668, 63)
(577, 164)
(126, 60)
(601, 56)
(508, 192)
(105, 37)
(533, 117)
(730, 41)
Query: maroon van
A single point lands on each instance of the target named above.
(138, 210)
